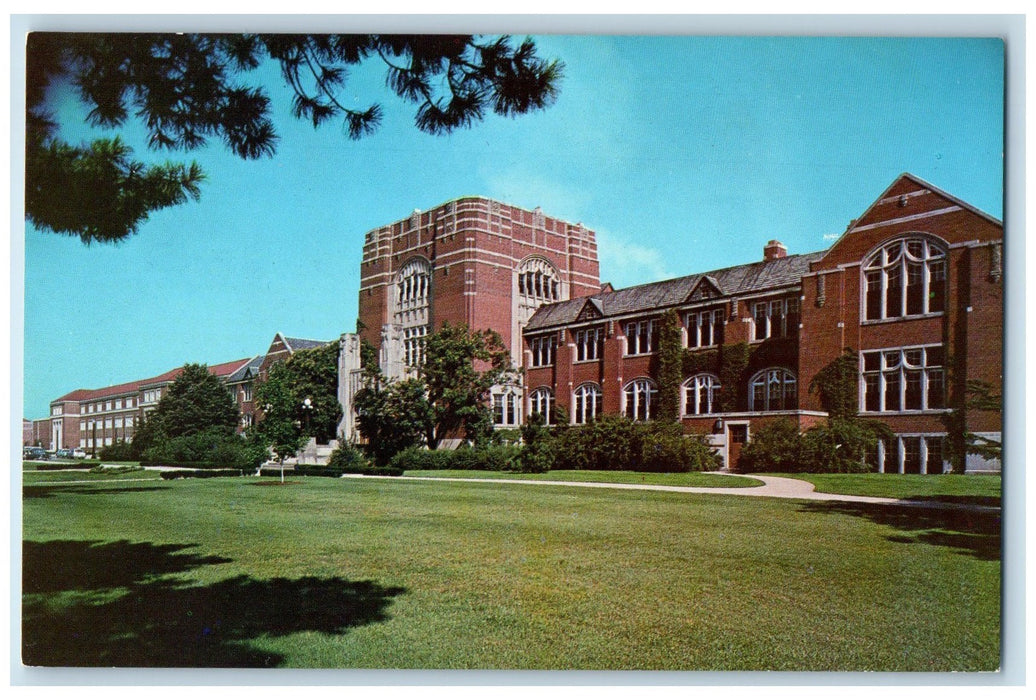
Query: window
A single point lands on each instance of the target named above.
(541, 403)
(129, 402)
(107, 405)
(705, 328)
(588, 344)
(641, 337)
(773, 390)
(56, 411)
(118, 422)
(640, 395)
(412, 285)
(413, 345)
(82, 425)
(777, 318)
(538, 283)
(912, 454)
(542, 349)
(905, 278)
(701, 394)
(505, 408)
(246, 392)
(118, 403)
(904, 379)
(588, 402)
(129, 421)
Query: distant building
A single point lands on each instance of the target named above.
(94, 418)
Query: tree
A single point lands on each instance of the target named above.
(313, 374)
(978, 396)
(196, 402)
(279, 428)
(188, 88)
(392, 416)
(459, 371)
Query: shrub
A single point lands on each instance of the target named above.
(538, 454)
(665, 448)
(200, 474)
(609, 443)
(122, 469)
(347, 458)
(79, 465)
(214, 448)
(490, 458)
(120, 451)
(777, 447)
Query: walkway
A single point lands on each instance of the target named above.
(773, 487)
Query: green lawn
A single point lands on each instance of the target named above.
(976, 489)
(381, 573)
(609, 477)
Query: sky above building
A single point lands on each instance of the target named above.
(684, 154)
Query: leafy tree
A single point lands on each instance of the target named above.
(188, 88)
(313, 374)
(392, 416)
(196, 402)
(460, 369)
(978, 396)
(280, 428)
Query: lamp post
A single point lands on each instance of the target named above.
(307, 409)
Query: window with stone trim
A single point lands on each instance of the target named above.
(906, 277)
(541, 402)
(587, 403)
(641, 337)
(776, 318)
(773, 389)
(588, 344)
(506, 410)
(701, 395)
(542, 348)
(704, 328)
(910, 454)
(903, 379)
(640, 399)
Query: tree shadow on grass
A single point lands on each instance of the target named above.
(971, 531)
(122, 604)
(57, 488)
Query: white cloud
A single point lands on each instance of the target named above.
(625, 263)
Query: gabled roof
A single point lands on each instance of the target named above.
(732, 281)
(248, 370)
(296, 344)
(222, 370)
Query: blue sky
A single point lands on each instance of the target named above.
(684, 154)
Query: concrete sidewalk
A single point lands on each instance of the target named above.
(773, 487)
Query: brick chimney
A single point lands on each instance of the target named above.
(774, 250)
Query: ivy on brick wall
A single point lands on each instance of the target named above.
(670, 366)
(733, 361)
(837, 385)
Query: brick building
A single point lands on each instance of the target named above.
(913, 288)
(94, 418)
(470, 261)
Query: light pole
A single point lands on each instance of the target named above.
(307, 409)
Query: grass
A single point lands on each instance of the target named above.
(949, 488)
(697, 479)
(350, 573)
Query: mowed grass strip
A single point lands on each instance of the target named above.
(695, 479)
(345, 573)
(976, 489)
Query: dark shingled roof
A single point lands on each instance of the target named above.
(732, 281)
(243, 372)
(303, 344)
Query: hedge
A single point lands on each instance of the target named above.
(497, 458)
(80, 465)
(200, 474)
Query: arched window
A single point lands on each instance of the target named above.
(641, 396)
(413, 292)
(538, 284)
(701, 394)
(588, 402)
(541, 402)
(906, 277)
(773, 389)
(506, 407)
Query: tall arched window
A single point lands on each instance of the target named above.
(906, 277)
(413, 292)
(588, 401)
(541, 402)
(773, 389)
(538, 284)
(641, 396)
(701, 394)
(506, 411)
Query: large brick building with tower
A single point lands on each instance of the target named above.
(470, 261)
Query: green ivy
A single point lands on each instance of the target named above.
(837, 385)
(670, 367)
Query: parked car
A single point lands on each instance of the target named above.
(64, 453)
(79, 453)
(35, 453)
